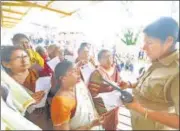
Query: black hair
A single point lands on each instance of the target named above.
(61, 69)
(80, 49)
(163, 28)
(40, 49)
(6, 53)
(82, 46)
(16, 38)
(100, 54)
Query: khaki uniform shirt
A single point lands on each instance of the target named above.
(158, 90)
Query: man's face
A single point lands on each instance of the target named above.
(155, 48)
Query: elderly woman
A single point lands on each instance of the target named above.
(68, 111)
(96, 85)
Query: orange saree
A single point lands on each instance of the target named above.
(62, 109)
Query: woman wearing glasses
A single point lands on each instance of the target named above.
(16, 62)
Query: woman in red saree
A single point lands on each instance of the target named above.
(96, 85)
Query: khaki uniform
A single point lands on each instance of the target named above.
(158, 90)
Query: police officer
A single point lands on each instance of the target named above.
(156, 94)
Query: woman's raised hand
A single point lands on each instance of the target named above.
(38, 96)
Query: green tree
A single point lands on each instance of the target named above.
(130, 38)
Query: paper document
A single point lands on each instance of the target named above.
(111, 99)
(86, 71)
(43, 84)
(52, 63)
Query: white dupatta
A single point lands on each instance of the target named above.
(13, 120)
(21, 99)
(85, 110)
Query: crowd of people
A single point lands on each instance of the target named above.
(60, 38)
(72, 103)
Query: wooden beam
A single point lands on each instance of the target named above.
(17, 4)
(49, 3)
(14, 4)
(50, 9)
(26, 13)
(9, 22)
(7, 26)
(1, 15)
(12, 18)
(25, 3)
(12, 11)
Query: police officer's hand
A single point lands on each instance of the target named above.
(123, 84)
(134, 105)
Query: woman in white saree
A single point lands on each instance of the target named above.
(17, 97)
(18, 101)
(15, 102)
(72, 107)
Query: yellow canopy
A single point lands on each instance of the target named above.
(14, 11)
